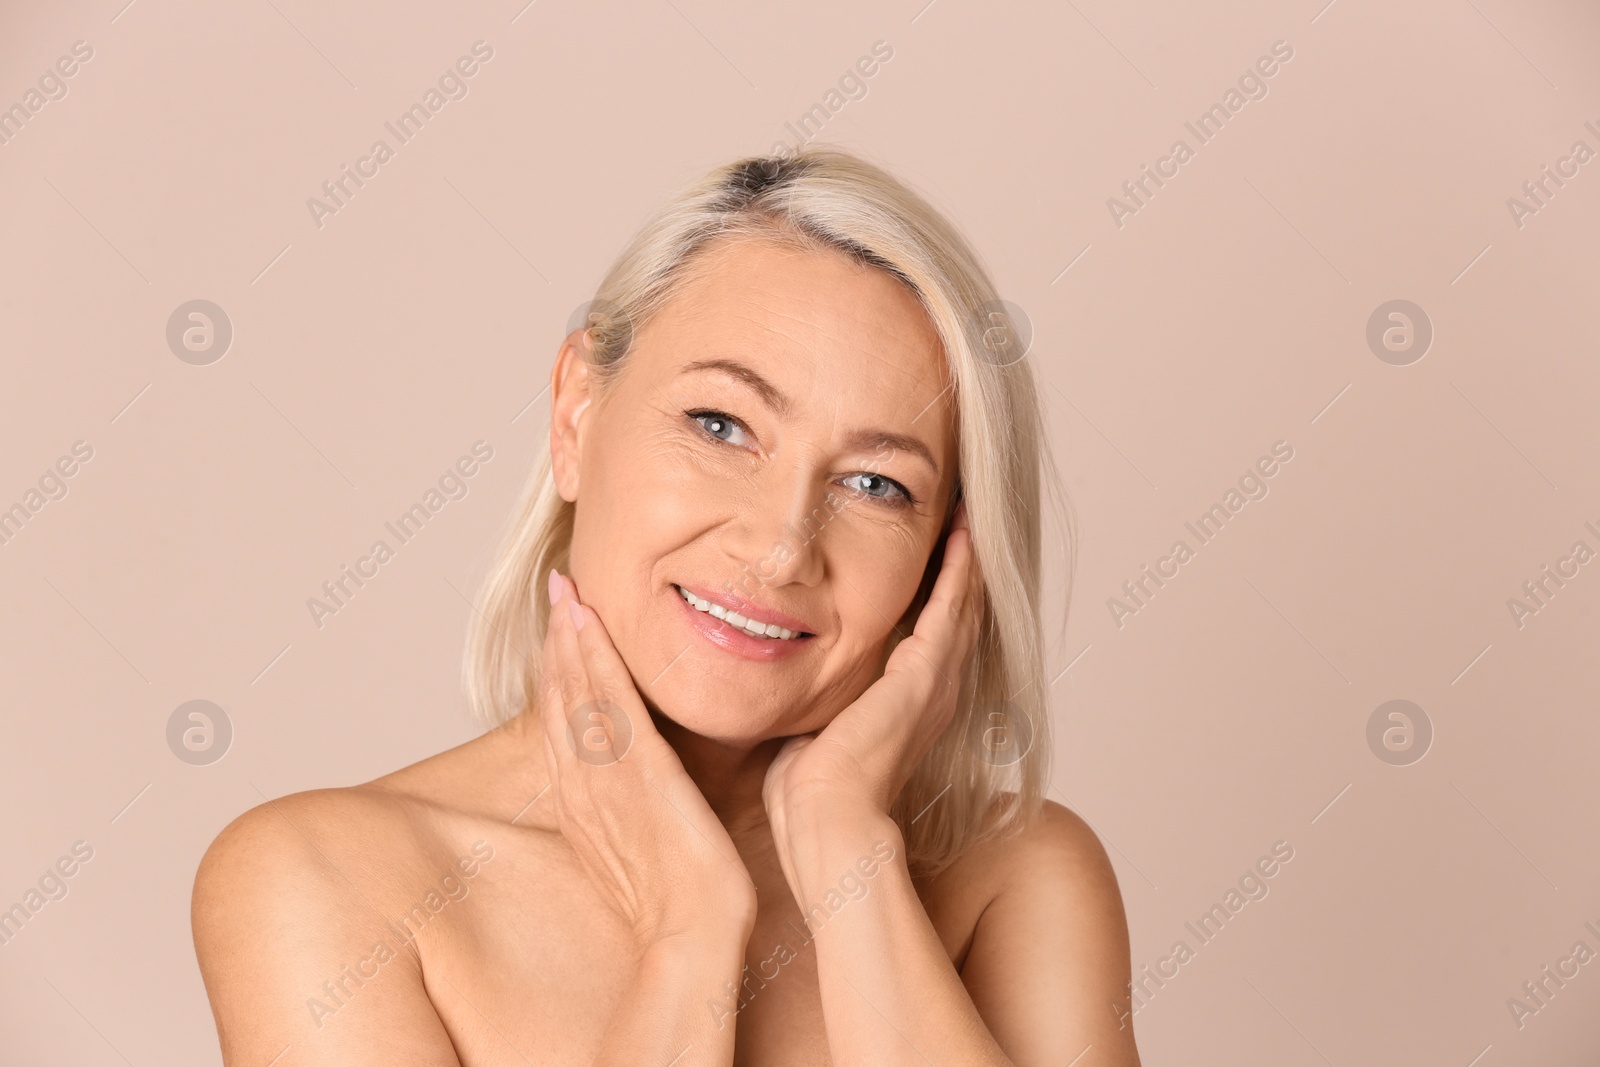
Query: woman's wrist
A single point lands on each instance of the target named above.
(826, 817)
(705, 958)
(719, 914)
(827, 840)
(713, 934)
(673, 1010)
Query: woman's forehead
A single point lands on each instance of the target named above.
(809, 311)
(813, 334)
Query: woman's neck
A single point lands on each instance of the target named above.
(730, 777)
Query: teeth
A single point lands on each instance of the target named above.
(734, 619)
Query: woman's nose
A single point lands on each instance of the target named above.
(776, 537)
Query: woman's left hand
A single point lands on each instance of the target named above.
(865, 756)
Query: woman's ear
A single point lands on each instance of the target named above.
(570, 393)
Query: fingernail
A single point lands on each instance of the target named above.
(577, 614)
(960, 520)
(555, 586)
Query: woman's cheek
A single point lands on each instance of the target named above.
(670, 467)
(887, 561)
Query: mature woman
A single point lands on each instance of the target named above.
(765, 783)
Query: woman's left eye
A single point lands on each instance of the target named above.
(889, 485)
(723, 427)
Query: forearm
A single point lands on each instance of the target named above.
(889, 992)
(665, 1017)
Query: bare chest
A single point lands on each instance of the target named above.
(533, 964)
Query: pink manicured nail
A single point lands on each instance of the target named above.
(960, 520)
(577, 614)
(555, 586)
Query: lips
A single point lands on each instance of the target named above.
(741, 614)
(739, 642)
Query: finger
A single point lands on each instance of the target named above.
(552, 763)
(547, 666)
(555, 709)
(571, 677)
(947, 629)
(548, 696)
(610, 682)
(951, 590)
(974, 604)
(975, 588)
(551, 715)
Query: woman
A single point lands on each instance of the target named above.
(765, 783)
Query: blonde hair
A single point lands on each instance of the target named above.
(822, 197)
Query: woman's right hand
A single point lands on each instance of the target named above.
(639, 824)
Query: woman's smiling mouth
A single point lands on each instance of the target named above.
(757, 635)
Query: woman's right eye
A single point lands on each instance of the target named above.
(717, 423)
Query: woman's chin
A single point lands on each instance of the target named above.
(717, 724)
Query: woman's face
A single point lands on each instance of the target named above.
(763, 449)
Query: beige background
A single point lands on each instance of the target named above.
(1227, 314)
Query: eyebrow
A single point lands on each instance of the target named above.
(779, 402)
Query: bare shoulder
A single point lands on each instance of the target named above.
(315, 839)
(325, 855)
(1056, 847)
(1048, 963)
(301, 903)
(1058, 844)
(378, 837)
